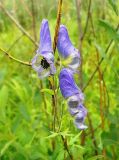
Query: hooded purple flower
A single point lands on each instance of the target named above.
(74, 96)
(67, 85)
(80, 117)
(66, 48)
(43, 61)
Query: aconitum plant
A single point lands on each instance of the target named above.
(43, 64)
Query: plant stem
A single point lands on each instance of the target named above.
(87, 20)
(92, 134)
(101, 80)
(15, 42)
(17, 24)
(52, 85)
(66, 147)
(33, 20)
(15, 59)
(54, 97)
(57, 25)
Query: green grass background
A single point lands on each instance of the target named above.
(25, 125)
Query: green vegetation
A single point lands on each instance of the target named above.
(26, 110)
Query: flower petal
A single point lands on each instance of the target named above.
(66, 48)
(79, 120)
(49, 57)
(75, 105)
(45, 39)
(80, 126)
(73, 111)
(83, 109)
(64, 45)
(74, 63)
(74, 100)
(52, 69)
(36, 62)
(42, 73)
(67, 85)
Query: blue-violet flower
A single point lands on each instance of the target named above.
(74, 96)
(67, 50)
(43, 61)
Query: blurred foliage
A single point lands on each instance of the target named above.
(25, 124)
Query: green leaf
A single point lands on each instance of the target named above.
(78, 146)
(49, 91)
(111, 31)
(74, 139)
(96, 157)
(52, 135)
(114, 6)
(20, 90)
(6, 146)
(16, 123)
(24, 112)
(100, 50)
(60, 155)
(3, 102)
(110, 142)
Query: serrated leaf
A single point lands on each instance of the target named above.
(114, 6)
(111, 31)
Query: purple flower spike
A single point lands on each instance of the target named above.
(66, 48)
(67, 85)
(43, 61)
(74, 96)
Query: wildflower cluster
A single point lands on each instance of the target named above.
(43, 64)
